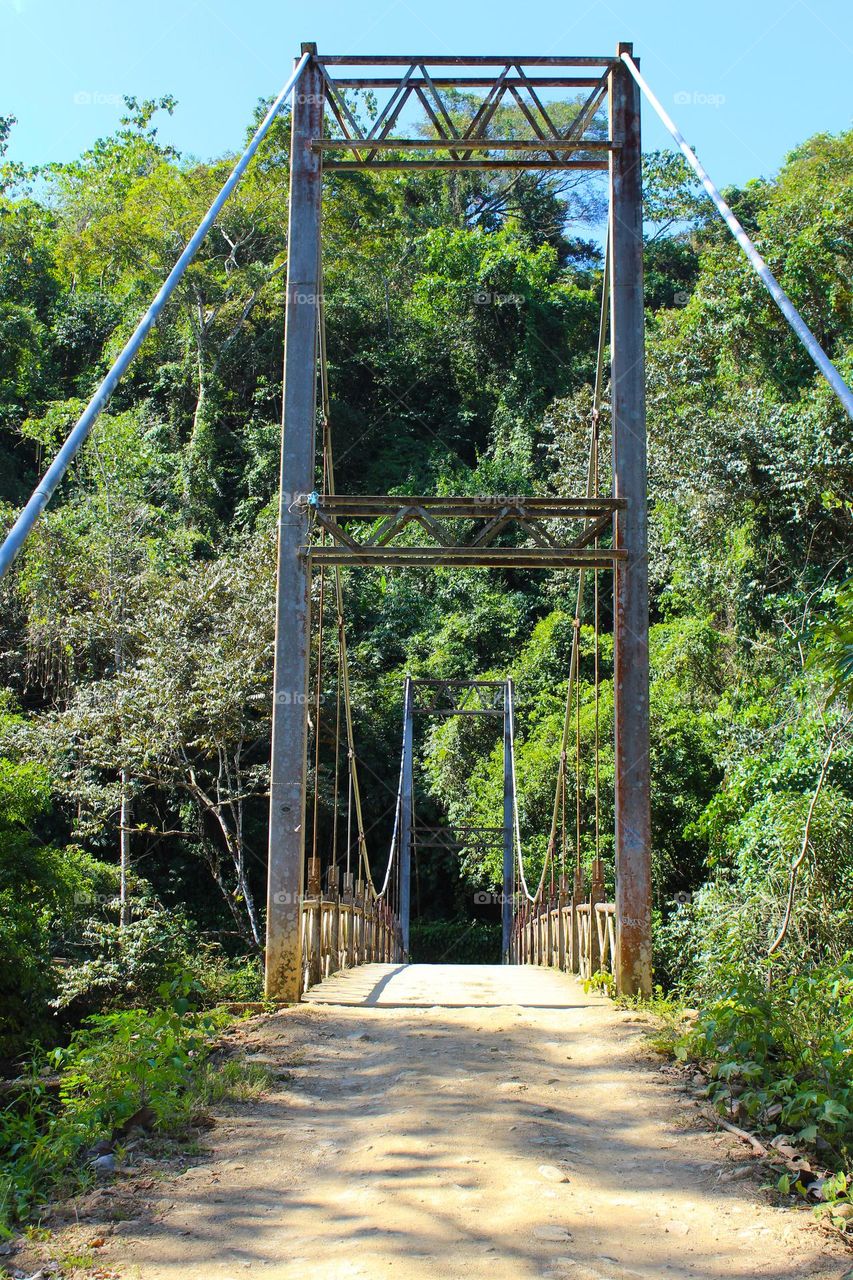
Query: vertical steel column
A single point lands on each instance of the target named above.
(293, 600)
(509, 818)
(633, 960)
(406, 817)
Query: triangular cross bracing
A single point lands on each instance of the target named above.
(464, 113)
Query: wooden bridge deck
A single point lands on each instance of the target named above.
(448, 1122)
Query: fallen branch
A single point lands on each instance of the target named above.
(778, 1153)
(749, 1138)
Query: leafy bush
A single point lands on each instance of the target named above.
(224, 981)
(119, 1063)
(27, 978)
(779, 1047)
(114, 1066)
(43, 890)
(126, 965)
(455, 942)
(37, 1155)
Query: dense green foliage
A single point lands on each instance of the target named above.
(462, 318)
(451, 941)
(135, 1069)
(781, 1051)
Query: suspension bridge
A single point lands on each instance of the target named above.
(487, 1120)
(559, 919)
(328, 909)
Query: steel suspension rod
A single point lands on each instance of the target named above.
(771, 284)
(44, 491)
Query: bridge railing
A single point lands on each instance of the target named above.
(577, 935)
(345, 928)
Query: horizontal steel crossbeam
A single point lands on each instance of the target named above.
(355, 166)
(454, 125)
(372, 505)
(462, 531)
(437, 683)
(461, 60)
(463, 144)
(458, 697)
(467, 82)
(454, 838)
(466, 558)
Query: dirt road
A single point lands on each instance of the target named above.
(444, 1122)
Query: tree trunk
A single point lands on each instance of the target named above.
(124, 849)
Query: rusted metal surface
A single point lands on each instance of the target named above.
(462, 144)
(462, 531)
(376, 505)
(461, 60)
(468, 557)
(284, 971)
(433, 165)
(406, 798)
(631, 609)
(461, 125)
(467, 82)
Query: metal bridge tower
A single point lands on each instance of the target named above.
(420, 80)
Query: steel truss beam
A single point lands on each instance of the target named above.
(462, 532)
(458, 697)
(461, 114)
(461, 60)
(455, 838)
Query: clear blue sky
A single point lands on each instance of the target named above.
(758, 75)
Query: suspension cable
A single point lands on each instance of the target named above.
(516, 831)
(759, 266)
(347, 701)
(398, 812)
(343, 661)
(339, 601)
(319, 685)
(592, 481)
(577, 627)
(596, 665)
(349, 816)
(337, 763)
